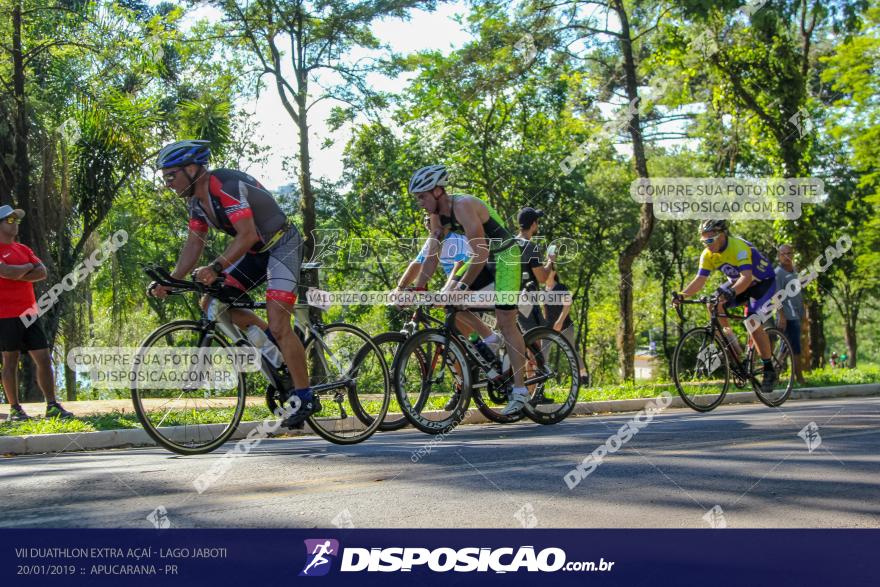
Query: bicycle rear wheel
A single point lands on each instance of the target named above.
(186, 417)
(780, 352)
(700, 369)
(346, 355)
(551, 376)
(424, 396)
(490, 404)
(491, 398)
(389, 342)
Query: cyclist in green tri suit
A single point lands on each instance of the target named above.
(490, 242)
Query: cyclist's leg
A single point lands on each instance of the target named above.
(243, 275)
(468, 322)
(758, 295)
(729, 334)
(241, 317)
(283, 273)
(507, 283)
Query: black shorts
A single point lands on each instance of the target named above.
(15, 336)
(280, 266)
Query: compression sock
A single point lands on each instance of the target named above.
(768, 364)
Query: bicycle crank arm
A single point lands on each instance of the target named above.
(539, 379)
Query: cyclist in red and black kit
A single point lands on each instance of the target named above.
(265, 246)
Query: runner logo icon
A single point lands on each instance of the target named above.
(319, 554)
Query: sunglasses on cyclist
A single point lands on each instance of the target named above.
(169, 177)
(13, 220)
(709, 241)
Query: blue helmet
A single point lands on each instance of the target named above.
(182, 153)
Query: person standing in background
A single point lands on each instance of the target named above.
(792, 311)
(534, 270)
(19, 268)
(556, 316)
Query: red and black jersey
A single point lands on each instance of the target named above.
(235, 195)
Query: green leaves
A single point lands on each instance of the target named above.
(207, 118)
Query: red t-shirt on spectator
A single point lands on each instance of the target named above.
(16, 296)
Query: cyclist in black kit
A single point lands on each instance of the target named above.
(264, 245)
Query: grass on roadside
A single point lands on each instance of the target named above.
(121, 420)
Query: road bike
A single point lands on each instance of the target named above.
(390, 342)
(436, 371)
(705, 362)
(347, 373)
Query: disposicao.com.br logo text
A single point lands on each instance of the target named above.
(442, 560)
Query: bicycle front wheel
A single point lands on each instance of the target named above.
(185, 413)
(345, 359)
(389, 342)
(434, 400)
(551, 376)
(700, 369)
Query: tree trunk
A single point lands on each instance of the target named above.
(817, 334)
(664, 286)
(27, 380)
(625, 335)
(69, 376)
(7, 154)
(22, 161)
(849, 335)
(307, 204)
(584, 330)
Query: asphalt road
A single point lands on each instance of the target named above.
(740, 466)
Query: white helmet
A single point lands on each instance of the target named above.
(427, 178)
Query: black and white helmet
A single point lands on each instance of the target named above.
(713, 226)
(427, 178)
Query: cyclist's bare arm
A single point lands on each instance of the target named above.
(432, 256)
(694, 286)
(189, 254)
(246, 237)
(744, 281)
(469, 217)
(449, 280)
(412, 271)
(186, 261)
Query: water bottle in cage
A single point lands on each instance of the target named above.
(266, 347)
(488, 355)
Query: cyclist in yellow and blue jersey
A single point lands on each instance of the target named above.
(751, 280)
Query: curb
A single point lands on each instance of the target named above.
(136, 437)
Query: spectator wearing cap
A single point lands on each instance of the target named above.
(792, 311)
(19, 268)
(534, 269)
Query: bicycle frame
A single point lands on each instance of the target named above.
(711, 303)
(473, 354)
(216, 316)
